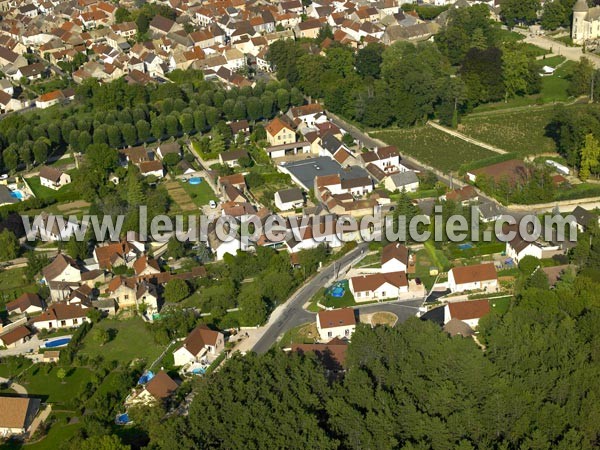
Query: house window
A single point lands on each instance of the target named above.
(75, 321)
(63, 323)
(329, 334)
(347, 332)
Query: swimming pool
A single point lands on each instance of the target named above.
(147, 376)
(195, 180)
(17, 194)
(58, 342)
(122, 419)
(466, 246)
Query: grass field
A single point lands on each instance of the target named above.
(434, 147)
(40, 383)
(522, 132)
(201, 193)
(132, 340)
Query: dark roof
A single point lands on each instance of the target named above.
(330, 143)
(33, 69)
(233, 155)
(6, 197)
(583, 216)
(200, 337)
(50, 173)
(291, 195)
(162, 23)
(56, 267)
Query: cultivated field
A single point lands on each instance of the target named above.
(434, 147)
(523, 131)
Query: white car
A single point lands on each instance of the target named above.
(212, 204)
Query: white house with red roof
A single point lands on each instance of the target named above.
(201, 342)
(336, 323)
(472, 278)
(378, 286)
(468, 312)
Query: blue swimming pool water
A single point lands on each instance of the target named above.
(17, 194)
(123, 419)
(199, 371)
(59, 342)
(147, 376)
(337, 292)
(466, 246)
(195, 180)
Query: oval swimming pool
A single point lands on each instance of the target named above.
(195, 180)
(58, 342)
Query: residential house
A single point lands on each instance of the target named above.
(168, 148)
(468, 312)
(518, 248)
(336, 323)
(55, 228)
(15, 337)
(403, 181)
(32, 72)
(201, 342)
(154, 168)
(144, 266)
(308, 114)
(231, 158)
(584, 218)
(289, 199)
(386, 159)
(62, 268)
(279, 132)
(157, 390)
(394, 258)
(308, 29)
(464, 195)
(470, 278)
(61, 315)
(53, 178)
(378, 286)
(115, 254)
(17, 414)
(123, 290)
(26, 303)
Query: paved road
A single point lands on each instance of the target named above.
(291, 313)
(557, 48)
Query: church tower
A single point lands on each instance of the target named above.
(580, 11)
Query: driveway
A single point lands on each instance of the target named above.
(557, 48)
(14, 386)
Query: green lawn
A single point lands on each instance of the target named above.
(434, 147)
(201, 193)
(478, 249)
(437, 257)
(334, 302)
(47, 386)
(132, 341)
(65, 194)
(13, 284)
(59, 433)
(501, 304)
(371, 261)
